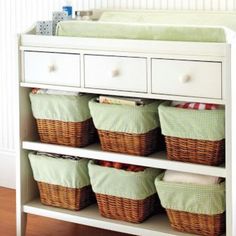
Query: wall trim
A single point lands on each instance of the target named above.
(7, 168)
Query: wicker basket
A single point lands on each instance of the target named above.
(63, 197)
(134, 144)
(120, 195)
(63, 181)
(195, 151)
(208, 225)
(135, 211)
(133, 130)
(63, 119)
(195, 136)
(193, 208)
(75, 134)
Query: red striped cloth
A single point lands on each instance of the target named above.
(194, 105)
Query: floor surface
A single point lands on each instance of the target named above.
(41, 226)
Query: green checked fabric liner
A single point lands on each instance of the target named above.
(141, 31)
(58, 171)
(192, 198)
(193, 124)
(121, 183)
(125, 118)
(60, 107)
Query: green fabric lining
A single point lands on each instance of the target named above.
(125, 118)
(58, 171)
(193, 124)
(121, 183)
(177, 18)
(121, 30)
(192, 198)
(60, 107)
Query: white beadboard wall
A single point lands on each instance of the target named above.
(16, 16)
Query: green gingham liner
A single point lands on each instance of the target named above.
(57, 171)
(66, 108)
(121, 183)
(192, 124)
(192, 198)
(140, 31)
(125, 118)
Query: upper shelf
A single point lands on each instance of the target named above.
(156, 160)
(122, 93)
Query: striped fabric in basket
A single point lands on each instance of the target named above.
(194, 105)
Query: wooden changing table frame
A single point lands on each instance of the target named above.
(27, 194)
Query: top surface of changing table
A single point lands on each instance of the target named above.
(160, 25)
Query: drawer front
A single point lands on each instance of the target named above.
(187, 78)
(52, 68)
(116, 73)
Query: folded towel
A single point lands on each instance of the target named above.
(195, 105)
(183, 177)
(54, 92)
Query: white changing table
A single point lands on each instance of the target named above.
(137, 68)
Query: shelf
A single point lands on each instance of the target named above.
(156, 160)
(121, 93)
(157, 225)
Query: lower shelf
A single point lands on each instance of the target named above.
(156, 160)
(157, 225)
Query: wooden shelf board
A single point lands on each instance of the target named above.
(156, 160)
(157, 225)
(121, 93)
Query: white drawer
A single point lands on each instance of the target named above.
(116, 73)
(52, 68)
(187, 78)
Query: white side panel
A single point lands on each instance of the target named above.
(232, 146)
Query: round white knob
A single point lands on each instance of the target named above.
(184, 78)
(115, 73)
(51, 68)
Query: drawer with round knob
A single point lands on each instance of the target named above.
(116, 73)
(187, 78)
(52, 68)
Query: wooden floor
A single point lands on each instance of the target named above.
(40, 226)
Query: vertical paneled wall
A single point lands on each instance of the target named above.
(16, 16)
